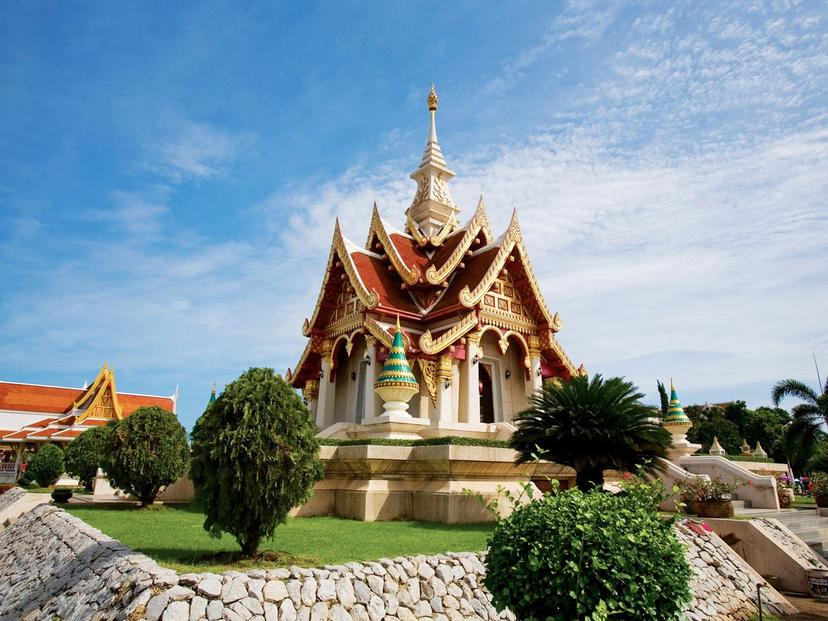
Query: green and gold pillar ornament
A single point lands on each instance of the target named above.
(396, 384)
(677, 423)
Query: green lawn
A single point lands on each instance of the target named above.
(174, 537)
(804, 501)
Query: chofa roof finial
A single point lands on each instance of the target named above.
(432, 100)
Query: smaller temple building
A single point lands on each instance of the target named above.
(34, 414)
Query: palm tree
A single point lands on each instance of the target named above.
(804, 431)
(591, 425)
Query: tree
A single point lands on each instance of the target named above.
(594, 556)
(47, 465)
(590, 425)
(255, 457)
(664, 399)
(85, 454)
(804, 432)
(709, 422)
(146, 452)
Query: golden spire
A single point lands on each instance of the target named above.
(432, 100)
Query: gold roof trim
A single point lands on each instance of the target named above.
(369, 299)
(410, 275)
(430, 346)
(478, 223)
(382, 335)
(414, 230)
(289, 376)
(512, 239)
(102, 388)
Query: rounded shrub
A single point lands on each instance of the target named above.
(255, 457)
(145, 452)
(575, 555)
(85, 454)
(46, 466)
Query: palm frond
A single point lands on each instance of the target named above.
(591, 424)
(792, 388)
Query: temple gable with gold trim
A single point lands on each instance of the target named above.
(477, 331)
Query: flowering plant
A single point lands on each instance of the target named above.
(697, 489)
(819, 483)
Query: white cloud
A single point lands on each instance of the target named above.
(192, 151)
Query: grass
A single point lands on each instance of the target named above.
(175, 538)
(49, 490)
(804, 501)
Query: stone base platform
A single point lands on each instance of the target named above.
(427, 483)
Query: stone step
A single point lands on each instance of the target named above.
(740, 504)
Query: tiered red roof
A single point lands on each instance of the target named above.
(436, 276)
(73, 409)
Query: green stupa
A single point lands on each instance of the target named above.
(212, 394)
(396, 371)
(675, 413)
(396, 384)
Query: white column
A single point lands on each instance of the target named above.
(327, 390)
(470, 389)
(18, 458)
(535, 376)
(371, 372)
(444, 389)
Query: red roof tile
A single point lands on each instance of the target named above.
(33, 398)
(375, 275)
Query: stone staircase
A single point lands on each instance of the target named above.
(804, 523)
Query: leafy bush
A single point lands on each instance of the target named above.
(26, 479)
(591, 425)
(697, 489)
(575, 555)
(255, 457)
(46, 466)
(145, 452)
(85, 454)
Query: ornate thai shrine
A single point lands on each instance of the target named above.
(477, 333)
(433, 330)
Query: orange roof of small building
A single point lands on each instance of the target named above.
(75, 409)
(36, 398)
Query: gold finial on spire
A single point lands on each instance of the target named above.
(398, 322)
(432, 100)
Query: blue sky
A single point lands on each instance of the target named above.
(170, 175)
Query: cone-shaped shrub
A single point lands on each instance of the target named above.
(255, 457)
(46, 466)
(146, 452)
(85, 454)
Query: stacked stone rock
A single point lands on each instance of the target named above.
(10, 497)
(784, 538)
(724, 585)
(53, 565)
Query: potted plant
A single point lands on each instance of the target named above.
(708, 498)
(819, 487)
(61, 495)
(784, 491)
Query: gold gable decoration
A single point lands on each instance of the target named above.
(101, 399)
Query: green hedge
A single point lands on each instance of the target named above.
(453, 440)
(760, 460)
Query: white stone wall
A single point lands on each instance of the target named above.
(54, 565)
(723, 584)
(10, 497)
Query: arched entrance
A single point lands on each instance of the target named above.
(487, 414)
